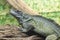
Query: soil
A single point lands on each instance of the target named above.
(12, 32)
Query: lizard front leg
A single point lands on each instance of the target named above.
(26, 27)
(52, 37)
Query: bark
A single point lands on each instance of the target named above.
(22, 6)
(12, 32)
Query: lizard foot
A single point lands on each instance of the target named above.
(51, 37)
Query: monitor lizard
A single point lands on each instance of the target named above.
(43, 26)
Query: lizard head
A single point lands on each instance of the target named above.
(23, 20)
(19, 14)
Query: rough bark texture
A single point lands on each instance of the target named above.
(8, 32)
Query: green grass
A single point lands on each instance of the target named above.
(44, 5)
(6, 18)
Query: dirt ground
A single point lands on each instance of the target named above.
(12, 32)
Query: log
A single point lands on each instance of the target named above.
(22, 38)
(22, 6)
(8, 32)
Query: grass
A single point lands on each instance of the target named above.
(6, 18)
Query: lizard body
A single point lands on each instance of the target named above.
(39, 24)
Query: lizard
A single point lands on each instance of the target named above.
(41, 25)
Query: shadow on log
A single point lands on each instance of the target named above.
(11, 32)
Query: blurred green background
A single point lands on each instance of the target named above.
(47, 8)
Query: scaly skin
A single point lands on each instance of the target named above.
(39, 24)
